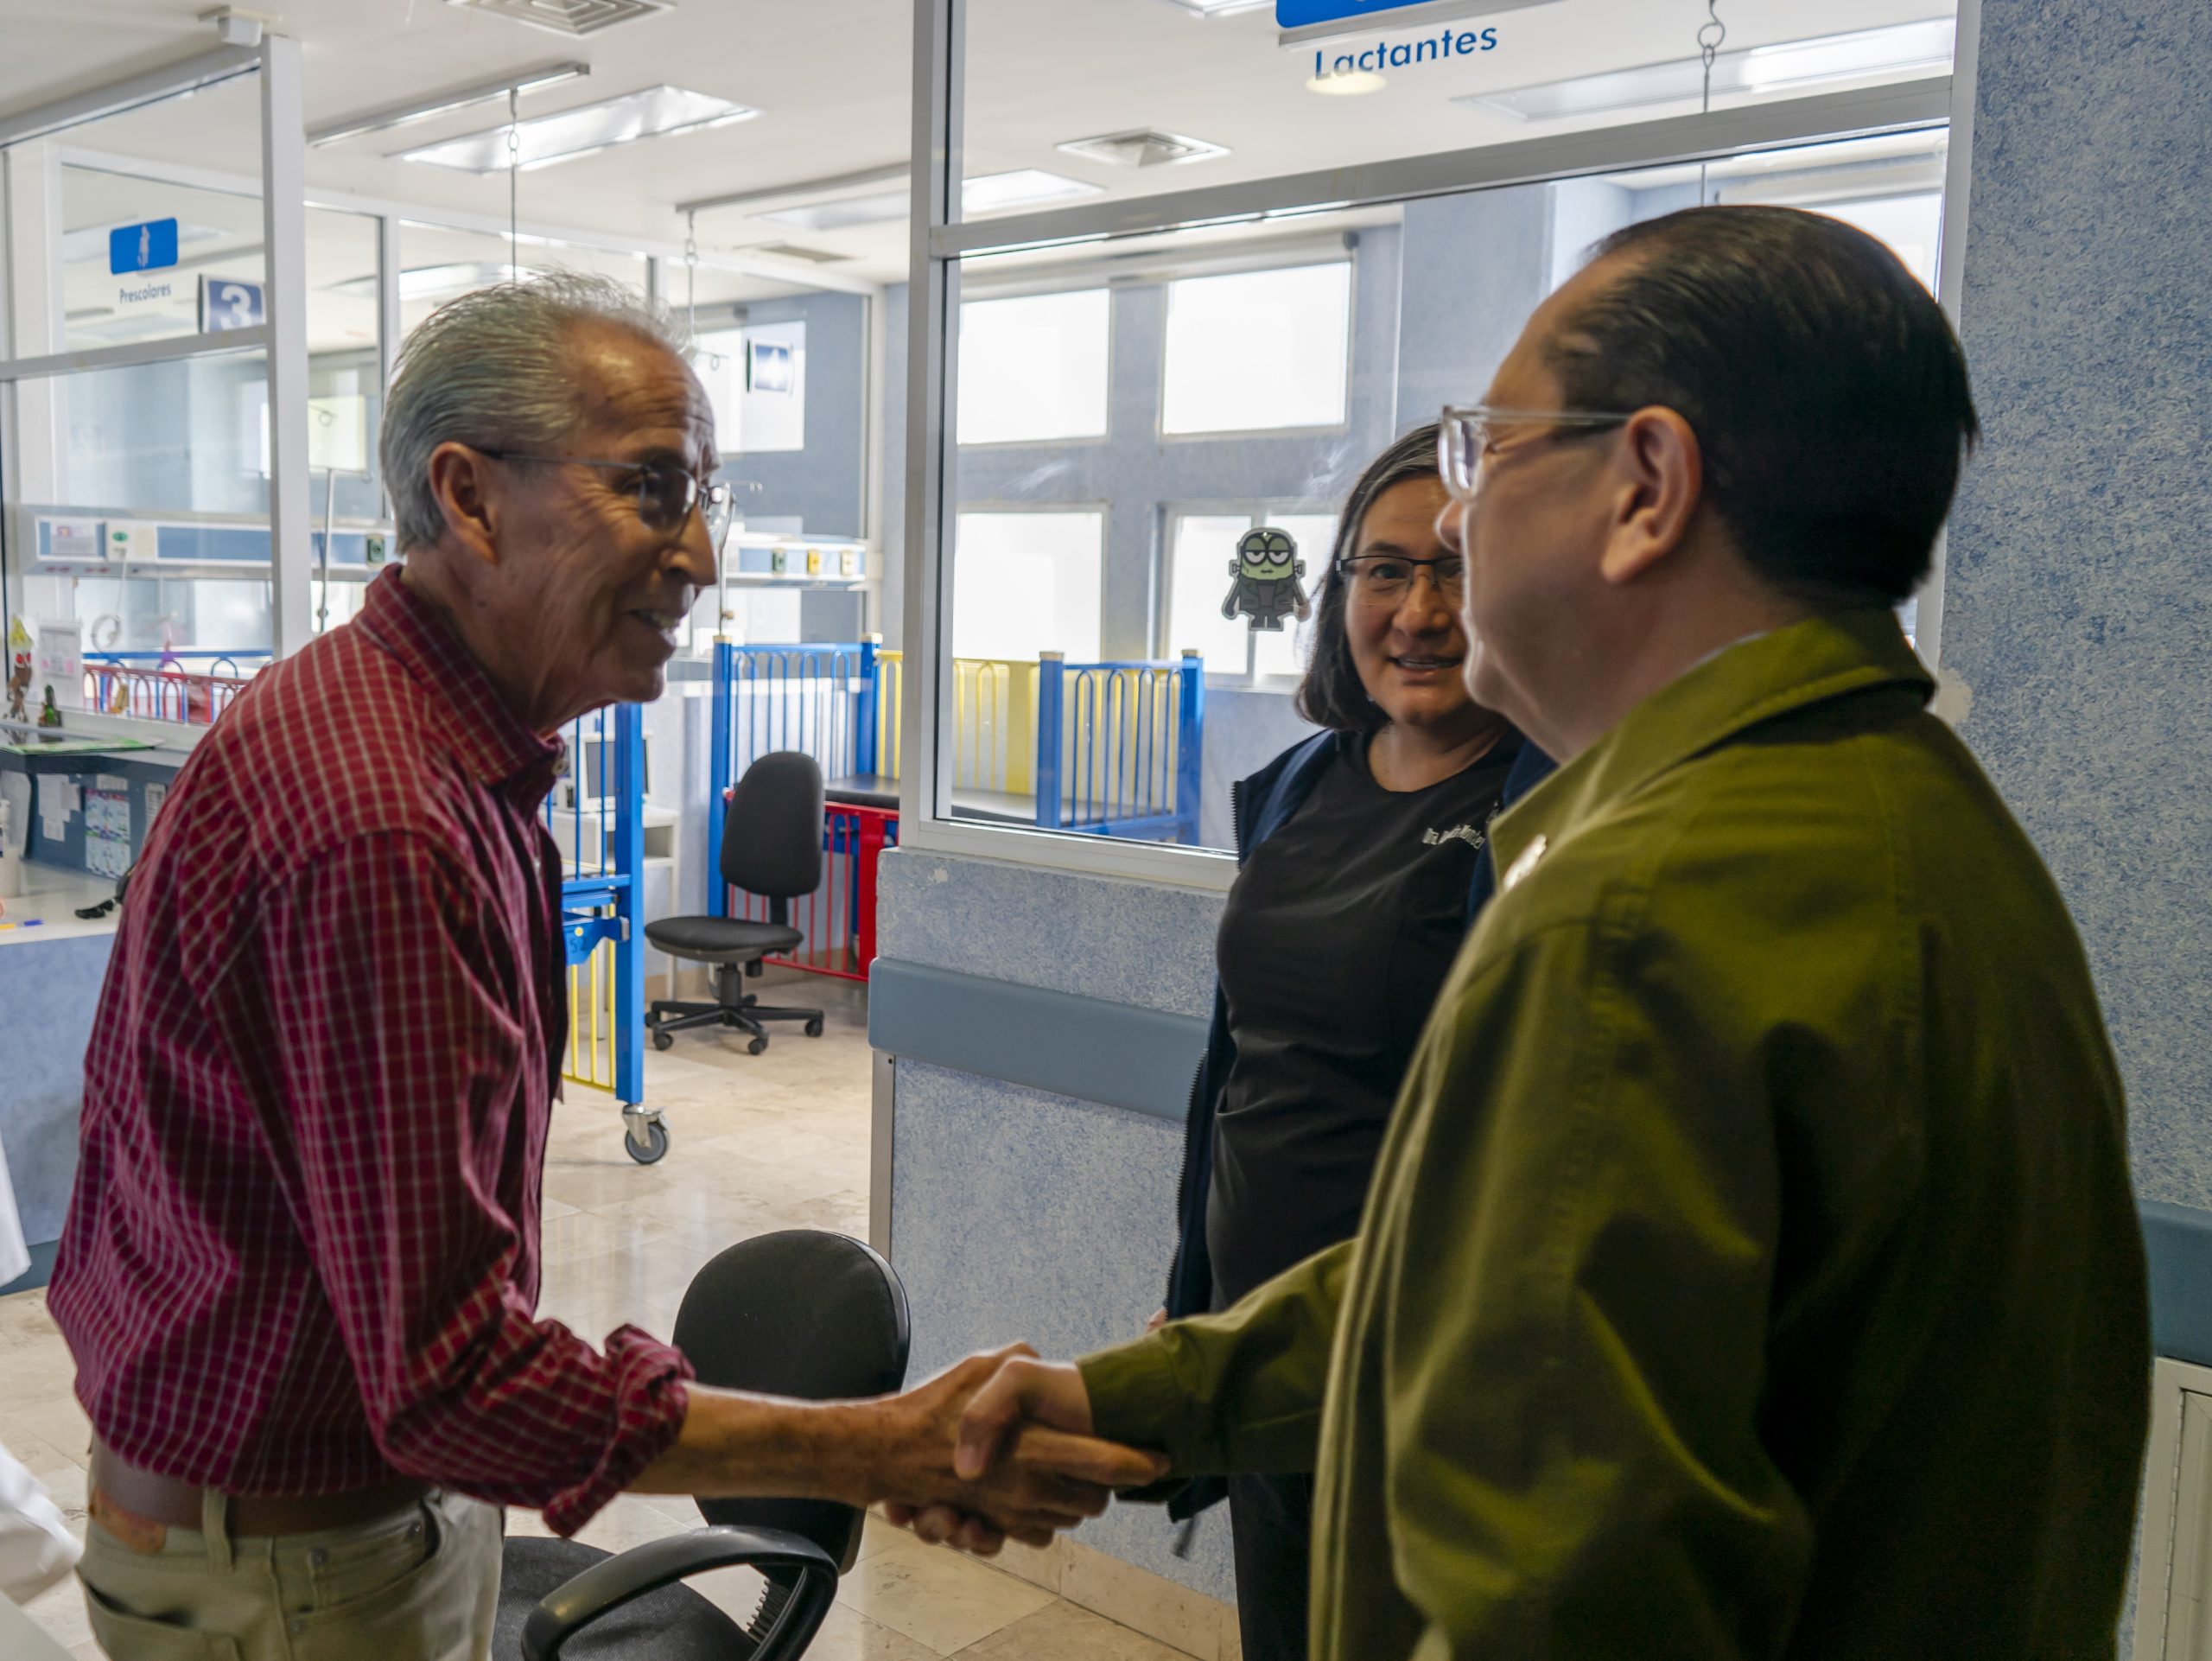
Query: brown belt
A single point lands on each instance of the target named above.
(124, 1495)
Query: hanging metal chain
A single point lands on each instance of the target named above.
(1710, 33)
(691, 276)
(514, 174)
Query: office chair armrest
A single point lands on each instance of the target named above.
(644, 1569)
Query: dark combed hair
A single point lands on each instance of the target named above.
(1827, 393)
(1333, 695)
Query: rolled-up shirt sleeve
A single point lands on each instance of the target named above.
(396, 1082)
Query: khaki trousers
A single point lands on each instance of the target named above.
(420, 1585)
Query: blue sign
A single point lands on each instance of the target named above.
(226, 302)
(1302, 13)
(148, 247)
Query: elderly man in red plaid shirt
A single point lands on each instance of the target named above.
(301, 1260)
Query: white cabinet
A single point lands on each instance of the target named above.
(2173, 1599)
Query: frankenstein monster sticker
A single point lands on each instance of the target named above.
(1266, 568)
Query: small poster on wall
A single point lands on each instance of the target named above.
(767, 366)
(107, 832)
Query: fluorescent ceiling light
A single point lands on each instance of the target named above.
(401, 115)
(83, 245)
(843, 214)
(1900, 49)
(654, 113)
(435, 281)
(1346, 83)
(1219, 8)
(988, 193)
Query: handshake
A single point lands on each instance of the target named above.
(997, 1447)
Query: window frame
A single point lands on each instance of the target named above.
(941, 239)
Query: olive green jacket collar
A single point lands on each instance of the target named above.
(1834, 655)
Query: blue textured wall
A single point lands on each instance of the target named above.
(48, 992)
(2078, 611)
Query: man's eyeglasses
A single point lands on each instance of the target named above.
(666, 494)
(1469, 432)
(1385, 580)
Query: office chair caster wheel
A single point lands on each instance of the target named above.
(814, 1027)
(756, 1046)
(663, 1040)
(650, 1151)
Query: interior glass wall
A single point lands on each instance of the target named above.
(787, 369)
(1171, 95)
(1253, 372)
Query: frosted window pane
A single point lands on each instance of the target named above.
(1289, 652)
(1027, 583)
(1257, 351)
(1034, 368)
(1199, 579)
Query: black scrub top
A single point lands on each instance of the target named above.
(1333, 945)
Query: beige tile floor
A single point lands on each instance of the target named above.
(760, 1142)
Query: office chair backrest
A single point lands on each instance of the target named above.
(802, 1313)
(772, 832)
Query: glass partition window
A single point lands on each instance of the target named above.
(1034, 368)
(1174, 95)
(756, 377)
(1118, 553)
(1028, 583)
(141, 260)
(1258, 351)
(438, 264)
(786, 368)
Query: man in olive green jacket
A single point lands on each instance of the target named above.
(1752, 1269)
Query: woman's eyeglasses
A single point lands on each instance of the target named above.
(1385, 580)
(666, 494)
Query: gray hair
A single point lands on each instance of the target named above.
(493, 369)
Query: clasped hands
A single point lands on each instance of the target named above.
(1003, 1450)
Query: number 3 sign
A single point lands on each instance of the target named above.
(227, 303)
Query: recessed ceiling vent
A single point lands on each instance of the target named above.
(569, 17)
(792, 251)
(1144, 149)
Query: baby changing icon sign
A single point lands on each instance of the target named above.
(150, 246)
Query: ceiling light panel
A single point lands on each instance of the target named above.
(402, 114)
(1902, 49)
(843, 213)
(656, 113)
(571, 17)
(987, 193)
(993, 193)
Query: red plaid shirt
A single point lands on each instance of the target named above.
(302, 1251)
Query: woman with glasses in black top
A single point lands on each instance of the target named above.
(1363, 864)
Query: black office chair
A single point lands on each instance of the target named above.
(771, 846)
(800, 1313)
